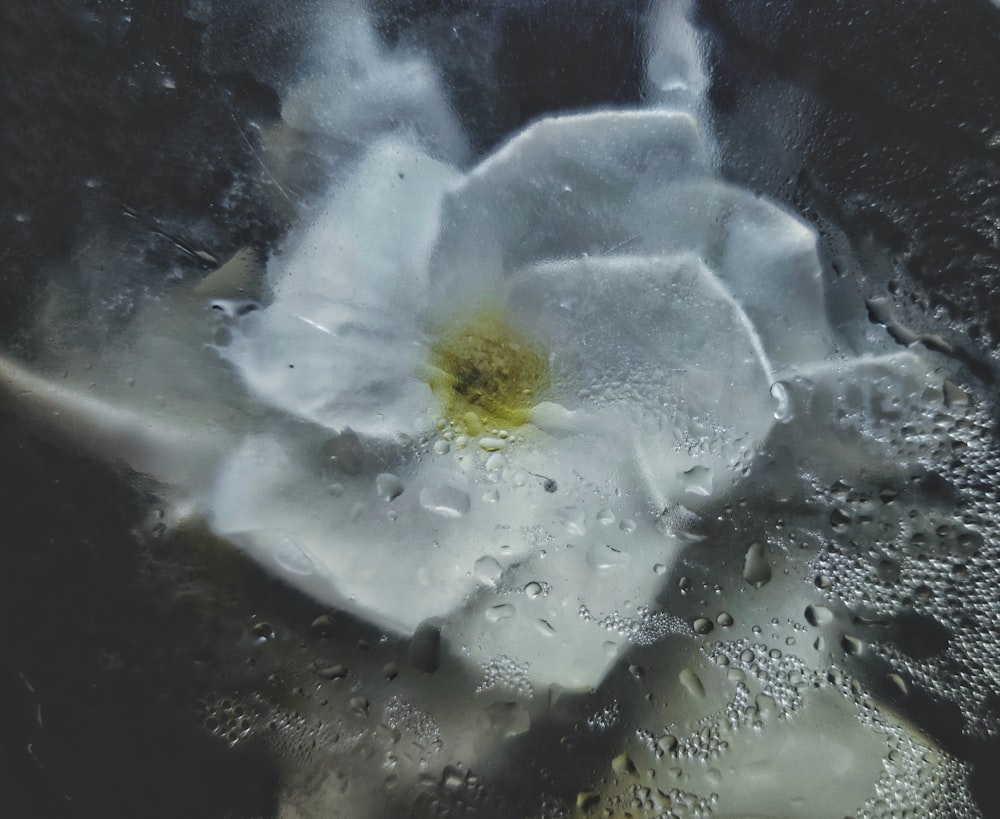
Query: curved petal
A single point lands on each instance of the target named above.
(656, 346)
(338, 345)
(565, 187)
(632, 183)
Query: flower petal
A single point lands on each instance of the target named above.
(565, 187)
(338, 346)
(656, 346)
(633, 183)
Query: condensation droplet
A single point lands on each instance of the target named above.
(756, 570)
(818, 615)
(495, 614)
(697, 480)
(573, 520)
(292, 557)
(488, 570)
(447, 501)
(692, 683)
(783, 412)
(388, 486)
(603, 557)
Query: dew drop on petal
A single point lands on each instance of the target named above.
(388, 486)
(692, 683)
(533, 589)
(756, 570)
(603, 557)
(818, 615)
(292, 557)
(447, 501)
(573, 519)
(697, 480)
(488, 570)
(497, 613)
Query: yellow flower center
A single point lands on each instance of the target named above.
(485, 372)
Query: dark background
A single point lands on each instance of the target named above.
(877, 121)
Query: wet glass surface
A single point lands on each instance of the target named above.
(499, 409)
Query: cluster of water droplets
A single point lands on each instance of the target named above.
(928, 544)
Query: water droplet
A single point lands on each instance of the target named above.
(659, 568)
(756, 570)
(818, 615)
(899, 682)
(839, 520)
(767, 708)
(692, 683)
(388, 486)
(623, 765)
(697, 480)
(492, 444)
(441, 447)
(447, 501)
(573, 519)
(533, 589)
(508, 719)
(702, 625)
(263, 631)
(292, 557)
(603, 557)
(331, 672)
(627, 525)
(488, 570)
(605, 516)
(954, 395)
(725, 619)
(425, 647)
(783, 412)
(322, 627)
(495, 614)
(852, 645)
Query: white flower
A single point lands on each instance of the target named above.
(654, 307)
(494, 401)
